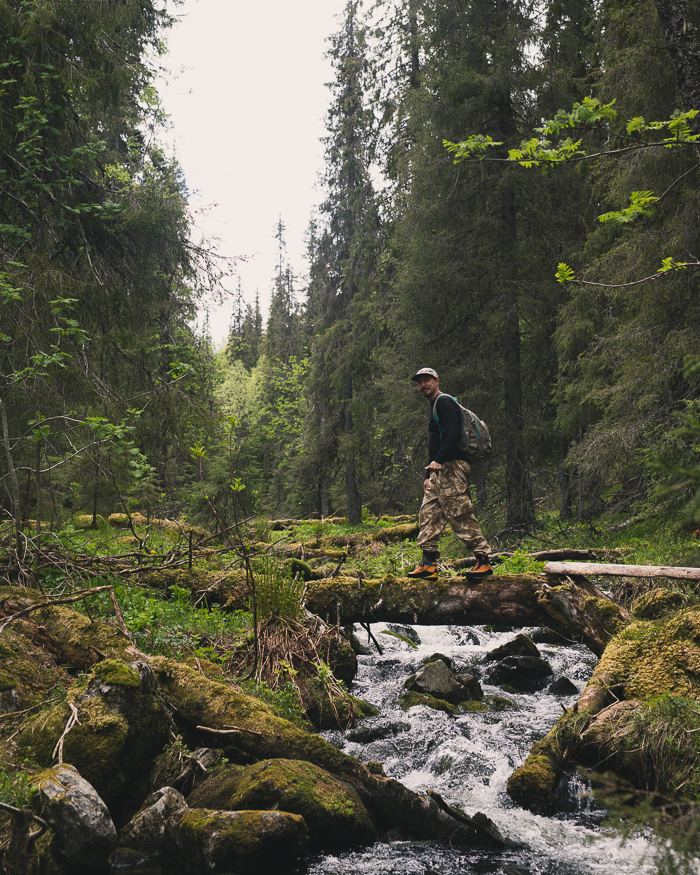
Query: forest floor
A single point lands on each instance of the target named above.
(178, 593)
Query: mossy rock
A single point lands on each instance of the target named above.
(201, 840)
(473, 707)
(27, 672)
(657, 603)
(532, 785)
(364, 709)
(123, 726)
(333, 811)
(409, 699)
(500, 703)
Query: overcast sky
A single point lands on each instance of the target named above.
(247, 100)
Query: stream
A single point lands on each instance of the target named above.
(467, 759)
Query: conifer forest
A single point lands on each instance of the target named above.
(510, 195)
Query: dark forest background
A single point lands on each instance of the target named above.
(419, 256)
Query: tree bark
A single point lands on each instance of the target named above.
(354, 503)
(684, 48)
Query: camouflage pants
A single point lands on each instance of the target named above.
(446, 500)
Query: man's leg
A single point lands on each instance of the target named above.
(457, 507)
(431, 522)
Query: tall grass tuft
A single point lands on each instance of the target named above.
(278, 593)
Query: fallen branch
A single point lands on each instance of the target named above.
(72, 721)
(464, 818)
(232, 730)
(579, 568)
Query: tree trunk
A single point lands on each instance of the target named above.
(354, 503)
(684, 49)
(14, 485)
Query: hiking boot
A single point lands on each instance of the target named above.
(482, 568)
(426, 571)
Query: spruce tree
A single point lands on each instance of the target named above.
(343, 260)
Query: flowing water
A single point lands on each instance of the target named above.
(468, 759)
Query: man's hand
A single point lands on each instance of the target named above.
(433, 466)
(426, 483)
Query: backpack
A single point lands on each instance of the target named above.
(475, 440)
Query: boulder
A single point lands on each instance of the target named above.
(84, 834)
(333, 812)
(521, 645)
(524, 674)
(142, 840)
(562, 687)
(437, 680)
(202, 842)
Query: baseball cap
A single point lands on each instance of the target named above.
(425, 372)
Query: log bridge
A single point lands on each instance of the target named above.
(562, 599)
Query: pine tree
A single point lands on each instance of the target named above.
(343, 258)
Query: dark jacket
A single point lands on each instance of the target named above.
(443, 438)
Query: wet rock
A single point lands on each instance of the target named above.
(500, 703)
(84, 834)
(367, 734)
(437, 680)
(521, 645)
(562, 687)
(203, 842)
(434, 658)
(409, 699)
(525, 674)
(332, 809)
(123, 724)
(142, 840)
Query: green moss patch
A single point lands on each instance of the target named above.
(333, 812)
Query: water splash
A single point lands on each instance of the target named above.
(468, 759)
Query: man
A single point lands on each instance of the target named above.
(446, 485)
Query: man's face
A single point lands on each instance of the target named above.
(428, 386)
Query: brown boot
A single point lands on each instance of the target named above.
(482, 568)
(427, 567)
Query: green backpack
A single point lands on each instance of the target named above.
(475, 440)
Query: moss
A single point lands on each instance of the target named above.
(500, 703)
(241, 841)
(333, 812)
(655, 604)
(364, 709)
(650, 658)
(27, 669)
(118, 673)
(412, 700)
(407, 597)
(472, 707)
(202, 702)
(532, 785)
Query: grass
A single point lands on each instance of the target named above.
(171, 625)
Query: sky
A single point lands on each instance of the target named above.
(247, 101)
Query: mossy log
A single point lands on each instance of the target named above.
(581, 610)
(256, 731)
(643, 662)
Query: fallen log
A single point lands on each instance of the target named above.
(578, 611)
(577, 568)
